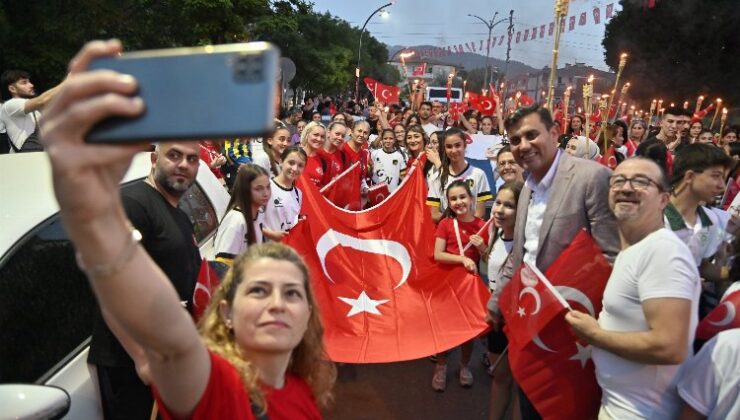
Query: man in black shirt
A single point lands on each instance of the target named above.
(168, 237)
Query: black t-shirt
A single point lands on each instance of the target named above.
(168, 237)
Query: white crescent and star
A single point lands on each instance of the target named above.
(385, 94)
(392, 249)
(363, 303)
(538, 302)
(729, 316)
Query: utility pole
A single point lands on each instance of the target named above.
(490, 24)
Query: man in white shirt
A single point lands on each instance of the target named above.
(20, 115)
(562, 196)
(647, 324)
(427, 119)
(709, 383)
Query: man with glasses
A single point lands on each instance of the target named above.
(646, 327)
(562, 196)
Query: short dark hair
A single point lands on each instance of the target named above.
(515, 117)
(698, 157)
(429, 104)
(677, 111)
(655, 150)
(9, 77)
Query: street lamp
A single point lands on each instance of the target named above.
(490, 24)
(359, 48)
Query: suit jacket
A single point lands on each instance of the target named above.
(579, 198)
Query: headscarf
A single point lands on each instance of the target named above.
(581, 144)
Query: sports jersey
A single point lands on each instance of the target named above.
(349, 157)
(334, 160)
(446, 231)
(387, 167)
(281, 212)
(316, 170)
(231, 237)
(476, 179)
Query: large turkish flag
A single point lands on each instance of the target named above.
(386, 94)
(553, 368)
(381, 295)
(344, 189)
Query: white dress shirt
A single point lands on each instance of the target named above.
(536, 210)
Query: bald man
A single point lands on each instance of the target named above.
(167, 235)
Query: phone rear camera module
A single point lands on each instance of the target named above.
(248, 69)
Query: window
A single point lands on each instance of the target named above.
(46, 304)
(200, 211)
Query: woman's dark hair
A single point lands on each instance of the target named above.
(516, 189)
(493, 128)
(294, 149)
(274, 163)
(454, 184)
(656, 151)
(408, 120)
(569, 130)
(445, 169)
(241, 197)
(625, 129)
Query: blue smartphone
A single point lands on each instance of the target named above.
(211, 92)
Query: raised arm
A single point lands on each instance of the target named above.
(129, 286)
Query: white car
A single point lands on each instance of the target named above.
(46, 305)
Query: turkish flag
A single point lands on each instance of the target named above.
(377, 193)
(457, 109)
(384, 93)
(486, 105)
(419, 70)
(526, 100)
(473, 99)
(530, 305)
(381, 295)
(725, 316)
(344, 189)
(208, 281)
(553, 368)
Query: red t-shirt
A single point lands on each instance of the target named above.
(226, 398)
(334, 161)
(446, 231)
(362, 156)
(314, 170)
(208, 153)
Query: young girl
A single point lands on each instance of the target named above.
(296, 138)
(276, 144)
(281, 212)
(389, 164)
(455, 230)
(241, 227)
(455, 167)
(501, 232)
(312, 142)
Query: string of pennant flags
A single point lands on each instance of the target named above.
(536, 32)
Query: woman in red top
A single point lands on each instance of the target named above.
(262, 336)
(317, 168)
(332, 151)
(458, 227)
(210, 153)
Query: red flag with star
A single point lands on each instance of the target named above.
(553, 368)
(725, 316)
(381, 295)
(386, 94)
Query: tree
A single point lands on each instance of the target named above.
(678, 49)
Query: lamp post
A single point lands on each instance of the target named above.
(490, 24)
(359, 49)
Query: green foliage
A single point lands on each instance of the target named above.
(41, 37)
(677, 50)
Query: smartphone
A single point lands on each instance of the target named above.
(211, 92)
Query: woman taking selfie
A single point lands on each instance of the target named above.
(262, 338)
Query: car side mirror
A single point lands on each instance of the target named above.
(26, 401)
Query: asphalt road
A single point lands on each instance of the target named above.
(404, 391)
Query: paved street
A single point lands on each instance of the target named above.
(403, 391)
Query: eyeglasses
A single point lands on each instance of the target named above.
(638, 182)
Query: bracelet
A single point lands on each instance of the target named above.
(107, 270)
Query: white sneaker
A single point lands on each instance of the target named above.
(466, 377)
(439, 380)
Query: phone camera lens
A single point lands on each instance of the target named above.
(248, 69)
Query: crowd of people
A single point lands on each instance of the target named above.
(659, 199)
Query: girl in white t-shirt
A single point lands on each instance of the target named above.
(388, 163)
(273, 148)
(281, 212)
(455, 167)
(501, 232)
(242, 224)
